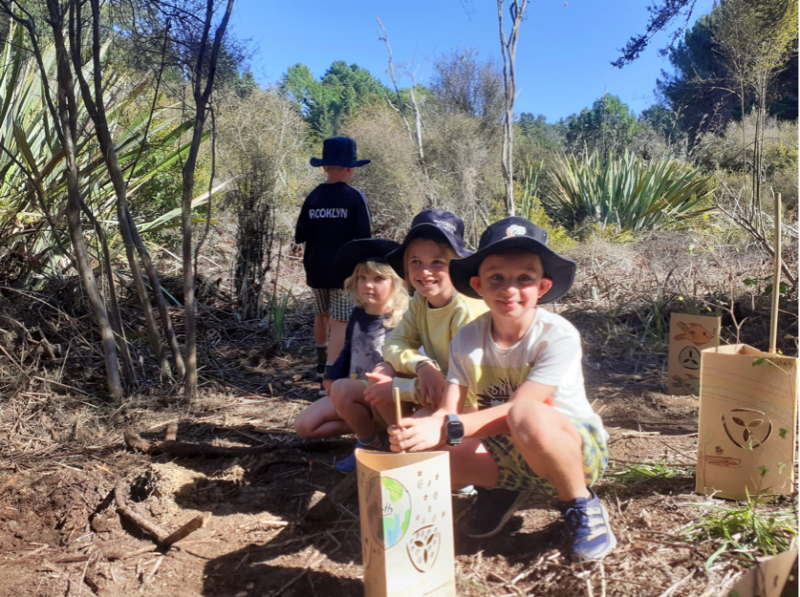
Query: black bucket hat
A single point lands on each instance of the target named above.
(339, 151)
(431, 223)
(358, 251)
(515, 233)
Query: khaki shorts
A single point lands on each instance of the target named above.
(516, 475)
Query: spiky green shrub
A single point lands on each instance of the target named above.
(529, 206)
(32, 182)
(627, 192)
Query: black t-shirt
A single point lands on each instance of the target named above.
(363, 346)
(332, 215)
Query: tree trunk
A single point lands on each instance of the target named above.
(158, 295)
(509, 50)
(201, 94)
(95, 106)
(116, 315)
(68, 118)
(190, 344)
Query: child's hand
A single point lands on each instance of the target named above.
(417, 435)
(379, 391)
(431, 386)
(384, 369)
(327, 384)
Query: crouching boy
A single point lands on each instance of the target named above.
(535, 431)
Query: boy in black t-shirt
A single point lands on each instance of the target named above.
(332, 215)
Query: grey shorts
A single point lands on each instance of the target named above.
(335, 301)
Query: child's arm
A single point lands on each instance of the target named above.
(402, 349)
(493, 421)
(416, 435)
(300, 235)
(360, 224)
(427, 433)
(341, 368)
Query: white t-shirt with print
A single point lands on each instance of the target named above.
(550, 353)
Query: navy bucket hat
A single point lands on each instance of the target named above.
(515, 233)
(431, 223)
(339, 151)
(358, 251)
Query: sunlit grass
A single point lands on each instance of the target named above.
(631, 475)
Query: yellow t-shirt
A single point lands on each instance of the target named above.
(432, 329)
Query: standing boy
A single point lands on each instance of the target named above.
(535, 430)
(332, 215)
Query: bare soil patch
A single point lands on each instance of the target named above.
(58, 525)
(62, 452)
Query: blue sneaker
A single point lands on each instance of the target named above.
(348, 464)
(588, 527)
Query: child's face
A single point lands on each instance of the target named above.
(511, 284)
(428, 272)
(375, 290)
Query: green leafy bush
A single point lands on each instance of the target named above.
(629, 192)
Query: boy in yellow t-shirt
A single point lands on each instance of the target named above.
(535, 430)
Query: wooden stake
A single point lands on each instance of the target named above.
(397, 411)
(776, 279)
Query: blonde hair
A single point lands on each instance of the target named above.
(448, 251)
(398, 299)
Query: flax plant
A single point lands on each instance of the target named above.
(628, 192)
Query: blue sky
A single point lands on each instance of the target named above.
(563, 56)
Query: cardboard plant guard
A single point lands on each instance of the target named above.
(688, 335)
(748, 412)
(406, 523)
(768, 578)
(748, 409)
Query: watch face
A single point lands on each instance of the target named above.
(455, 429)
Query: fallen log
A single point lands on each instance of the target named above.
(193, 450)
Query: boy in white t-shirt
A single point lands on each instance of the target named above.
(535, 430)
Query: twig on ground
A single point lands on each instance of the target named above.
(670, 590)
(162, 537)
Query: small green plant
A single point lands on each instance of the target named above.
(631, 475)
(745, 529)
(768, 288)
(278, 312)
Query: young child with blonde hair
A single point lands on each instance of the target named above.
(381, 300)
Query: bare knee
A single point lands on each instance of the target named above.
(303, 425)
(533, 424)
(345, 392)
(338, 395)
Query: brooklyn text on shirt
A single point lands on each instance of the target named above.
(333, 212)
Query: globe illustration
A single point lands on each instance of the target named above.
(389, 510)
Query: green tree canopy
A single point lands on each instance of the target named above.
(702, 90)
(608, 127)
(340, 92)
(537, 129)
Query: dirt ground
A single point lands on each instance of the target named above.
(59, 531)
(62, 452)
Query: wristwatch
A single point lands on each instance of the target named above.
(453, 430)
(430, 362)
